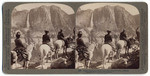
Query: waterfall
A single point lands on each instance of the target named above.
(28, 25)
(91, 27)
(91, 23)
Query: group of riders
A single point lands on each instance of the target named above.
(81, 47)
(20, 49)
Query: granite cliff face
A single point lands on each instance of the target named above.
(53, 18)
(83, 18)
(19, 18)
(62, 20)
(114, 18)
(104, 19)
(42, 18)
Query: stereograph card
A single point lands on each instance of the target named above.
(75, 37)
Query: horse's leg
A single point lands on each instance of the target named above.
(66, 51)
(124, 49)
(76, 56)
(127, 50)
(108, 58)
(88, 65)
(27, 65)
(118, 54)
(24, 63)
(28, 60)
(44, 54)
(103, 62)
(85, 63)
(51, 57)
(47, 59)
(57, 54)
(103, 56)
(44, 58)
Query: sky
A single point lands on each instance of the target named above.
(130, 8)
(29, 6)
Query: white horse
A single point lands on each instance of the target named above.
(59, 46)
(90, 51)
(106, 50)
(45, 50)
(121, 48)
(29, 53)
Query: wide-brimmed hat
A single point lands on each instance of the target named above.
(108, 31)
(46, 31)
(123, 30)
(18, 34)
(80, 33)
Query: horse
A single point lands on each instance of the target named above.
(88, 54)
(106, 51)
(59, 45)
(121, 47)
(90, 51)
(62, 45)
(25, 54)
(45, 50)
(14, 63)
(29, 53)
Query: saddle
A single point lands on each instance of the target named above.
(21, 53)
(82, 52)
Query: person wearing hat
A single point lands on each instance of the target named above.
(108, 38)
(46, 38)
(18, 42)
(81, 47)
(60, 35)
(20, 49)
(123, 35)
(80, 42)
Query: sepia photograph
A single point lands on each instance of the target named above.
(107, 36)
(42, 36)
(54, 36)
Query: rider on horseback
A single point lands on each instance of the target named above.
(18, 42)
(60, 35)
(123, 36)
(108, 39)
(20, 49)
(81, 47)
(46, 38)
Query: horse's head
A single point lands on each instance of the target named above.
(93, 45)
(33, 45)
